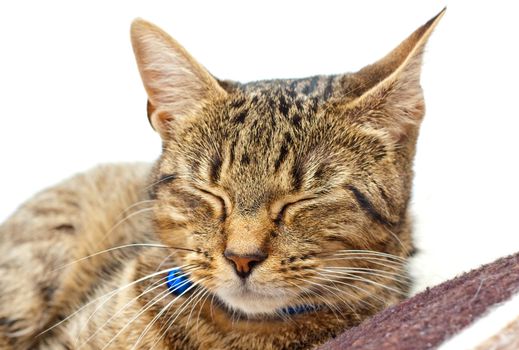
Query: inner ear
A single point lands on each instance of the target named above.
(160, 120)
(149, 111)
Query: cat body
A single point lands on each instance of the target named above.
(284, 203)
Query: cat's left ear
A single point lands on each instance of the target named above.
(178, 86)
(387, 94)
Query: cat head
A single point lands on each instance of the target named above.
(288, 192)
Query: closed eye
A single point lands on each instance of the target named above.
(284, 207)
(216, 199)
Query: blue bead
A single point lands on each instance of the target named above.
(177, 281)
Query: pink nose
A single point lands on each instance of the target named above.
(243, 264)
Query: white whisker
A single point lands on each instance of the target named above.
(375, 260)
(143, 311)
(367, 252)
(357, 276)
(110, 295)
(164, 309)
(329, 288)
(374, 272)
(308, 293)
(113, 316)
(406, 251)
(120, 222)
(150, 245)
(157, 284)
(353, 277)
(200, 310)
(171, 320)
(206, 292)
(159, 181)
(329, 278)
(137, 204)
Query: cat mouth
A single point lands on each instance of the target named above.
(245, 298)
(251, 302)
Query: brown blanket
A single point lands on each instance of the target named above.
(435, 315)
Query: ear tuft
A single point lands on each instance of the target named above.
(177, 85)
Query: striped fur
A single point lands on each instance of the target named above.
(312, 175)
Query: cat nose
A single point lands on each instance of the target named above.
(243, 264)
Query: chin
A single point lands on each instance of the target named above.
(252, 303)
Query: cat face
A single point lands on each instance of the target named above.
(289, 192)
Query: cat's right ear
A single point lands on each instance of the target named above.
(178, 86)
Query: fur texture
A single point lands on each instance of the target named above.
(269, 195)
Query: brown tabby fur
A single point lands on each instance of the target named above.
(304, 171)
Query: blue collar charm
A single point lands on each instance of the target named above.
(178, 283)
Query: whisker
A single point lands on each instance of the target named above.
(137, 204)
(367, 257)
(305, 296)
(164, 309)
(200, 310)
(353, 277)
(151, 245)
(395, 276)
(132, 301)
(309, 292)
(212, 304)
(120, 222)
(376, 261)
(116, 314)
(166, 178)
(372, 272)
(153, 302)
(171, 320)
(110, 295)
(333, 280)
(327, 288)
(365, 252)
(206, 292)
(144, 310)
(406, 251)
(164, 261)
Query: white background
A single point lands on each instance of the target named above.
(71, 97)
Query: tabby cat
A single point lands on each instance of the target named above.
(275, 217)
